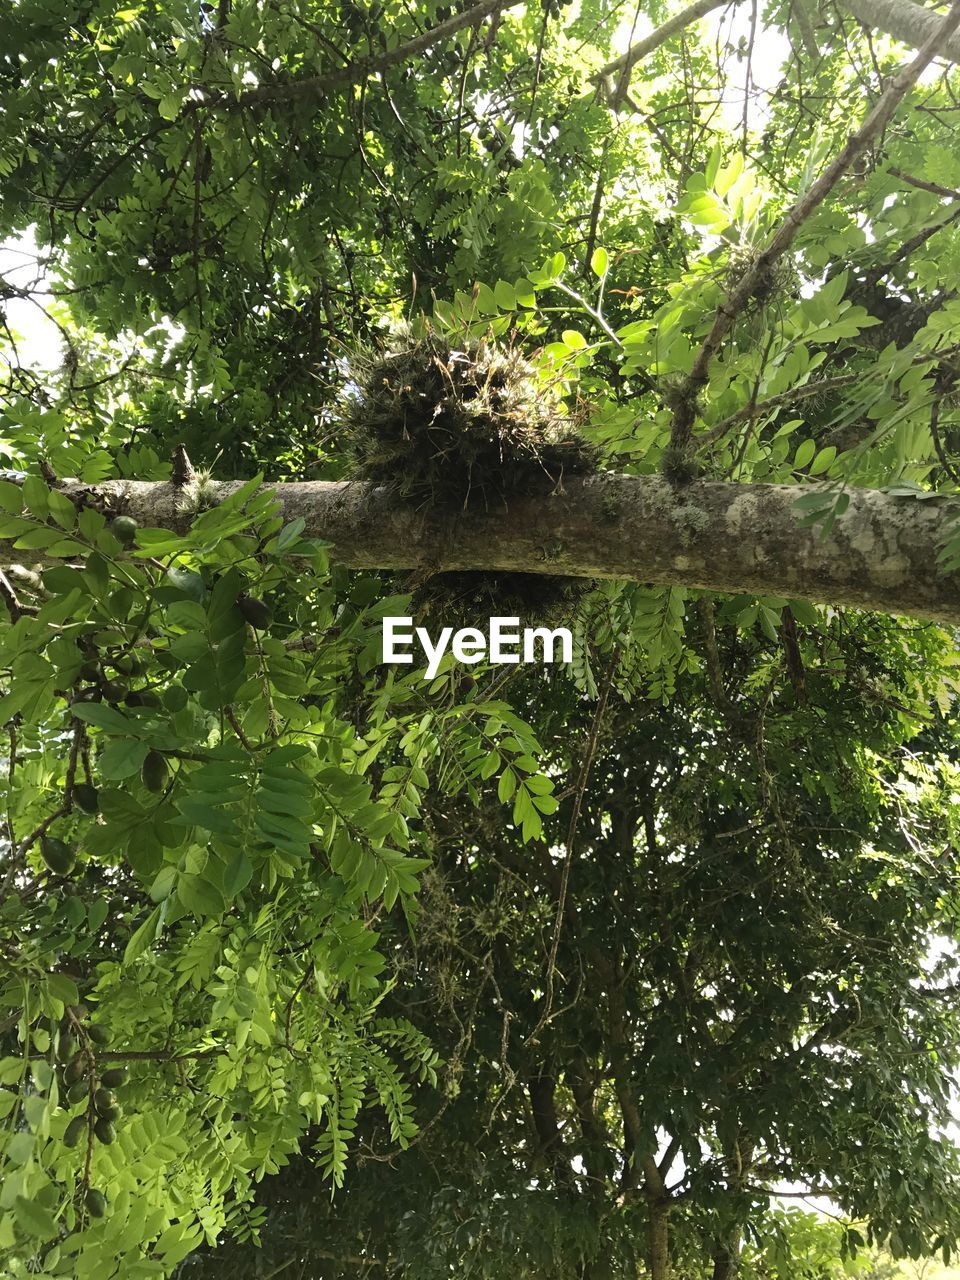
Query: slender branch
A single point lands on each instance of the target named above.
(795, 394)
(363, 69)
(614, 78)
(938, 443)
(923, 185)
(663, 1168)
(582, 779)
(10, 599)
(144, 1055)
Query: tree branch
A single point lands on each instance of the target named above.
(914, 24)
(949, 193)
(881, 553)
(755, 276)
(364, 68)
(614, 78)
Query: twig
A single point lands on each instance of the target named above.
(238, 729)
(307, 974)
(9, 597)
(582, 779)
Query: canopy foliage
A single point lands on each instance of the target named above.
(311, 966)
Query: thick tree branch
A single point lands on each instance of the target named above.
(881, 554)
(755, 277)
(914, 24)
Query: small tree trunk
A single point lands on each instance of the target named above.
(726, 1261)
(659, 1240)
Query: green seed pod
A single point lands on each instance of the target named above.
(256, 612)
(130, 664)
(142, 698)
(113, 1077)
(111, 1113)
(86, 797)
(96, 1203)
(76, 1068)
(74, 1131)
(124, 529)
(175, 697)
(66, 1047)
(113, 690)
(99, 1034)
(58, 856)
(103, 1100)
(78, 1092)
(105, 1131)
(90, 671)
(155, 771)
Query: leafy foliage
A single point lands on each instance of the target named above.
(524, 971)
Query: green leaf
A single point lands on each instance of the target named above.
(36, 496)
(199, 896)
(104, 717)
(164, 883)
(823, 461)
(237, 875)
(11, 498)
(290, 534)
(62, 988)
(804, 454)
(34, 1219)
(574, 339)
(143, 937)
(525, 292)
(505, 295)
(599, 262)
(62, 510)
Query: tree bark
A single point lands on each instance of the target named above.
(743, 539)
(914, 24)
(542, 1091)
(726, 1263)
(659, 1240)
